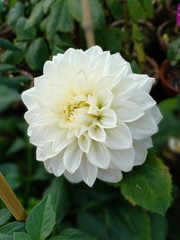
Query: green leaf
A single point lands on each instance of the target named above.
(170, 123)
(10, 228)
(15, 13)
(24, 32)
(41, 220)
(92, 225)
(72, 234)
(21, 236)
(116, 8)
(149, 186)
(37, 54)
(97, 13)
(7, 97)
(4, 216)
(158, 227)
(4, 67)
(7, 44)
(59, 19)
(60, 197)
(136, 10)
(11, 173)
(46, 5)
(36, 15)
(128, 223)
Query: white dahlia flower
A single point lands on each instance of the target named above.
(90, 116)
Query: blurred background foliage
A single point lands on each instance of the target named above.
(146, 34)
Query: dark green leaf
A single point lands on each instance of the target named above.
(4, 216)
(37, 54)
(59, 19)
(149, 186)
(136, 10)
(92, 225)
(36, 15)
(7, 44)
(4, 67)
(170, 124)
(128, 223)
(158, 227)
(10, 228)
(17, 145)
(24, 32)
(21, 236)
(11, 173)
(46, 5)
(7, 97)
(116, 8)
(41, 220)
(15, 13)
(72, 234)
(60, 197)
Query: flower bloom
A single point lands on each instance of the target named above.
(90, 116)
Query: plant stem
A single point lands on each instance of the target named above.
(87, 23)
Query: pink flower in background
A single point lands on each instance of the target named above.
(178, 14)
(90, 116)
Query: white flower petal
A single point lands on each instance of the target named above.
(72, 157)
(107, 118)
(140, 152)
(143, 100)
(84, 142)
(98, 155)
(44, 152)
(109, 175)
(73, 177)
(97, 133)
(143, 127)
(123, 159)
(93, 52)
(88, 171)
(119, 137)
(128, 111)
(156, 114)
(55, 164)
(61, 141)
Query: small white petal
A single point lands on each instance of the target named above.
(119, 137)
(156, 114)
(98, 155)
(140, 152)
(128, 111)
(123, 159)
(61, 141)
(44, 152)
(143, 100)
(109, 175)
(97, 133)
(55, 164)
(72, 157)
(106, 118)
(84, 142)
(143, 127)
(73, 177)
(93, 52)
(88, 171)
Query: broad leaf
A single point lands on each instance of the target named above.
(21, 236)
(60, 197)
(158, 227)
(10, 228)
(10, 170)
(24, 32)
(41, 220)
(149, 186)
(72, 234)
(36, 15)
(37, 54)
(59, 19)
(6, 44)
(4, 67)
(15, 13)
(4, 216)
(7, 97)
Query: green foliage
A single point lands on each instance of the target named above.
(173, 53)
(41, 220)
(149, 186)
(41, 29)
